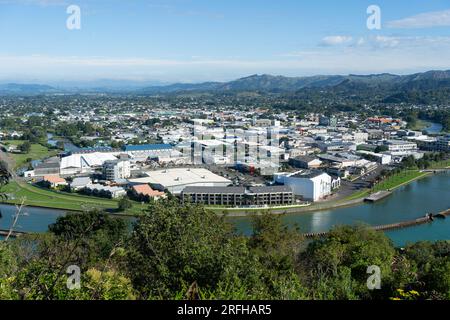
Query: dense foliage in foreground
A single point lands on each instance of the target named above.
(186, 252)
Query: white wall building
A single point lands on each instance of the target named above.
(84, 162)
(114, 170)
(310, 185)
(401, 145)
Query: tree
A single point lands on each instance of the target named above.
(124, 204)
(4, 178)
(380, 149)
(173, 246)
(277, 244)
(342, 258)
(8, 266)
(4, 173)
(25, 147)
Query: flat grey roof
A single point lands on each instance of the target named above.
(270, 189)
(306, 159)
(48, 165)
(224, 190)
(237, 190)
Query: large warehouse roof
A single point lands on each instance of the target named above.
(88, 159)
(181, 176)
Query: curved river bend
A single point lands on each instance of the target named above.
(429, 194)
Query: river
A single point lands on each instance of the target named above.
(434, 128)
(68, 146)
(429, 194)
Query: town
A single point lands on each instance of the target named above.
(225, 157)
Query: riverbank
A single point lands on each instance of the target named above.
(426, 195)
(407, 203)
(391, 183)
(46, 198)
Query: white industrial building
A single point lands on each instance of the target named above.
(401, 145)
(148, 151)
(310, 185)
(101, 190)
(175, 180)
(381, 157)
(84, 162)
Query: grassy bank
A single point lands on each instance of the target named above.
(39, 197)
(440, 165)
(421, 125)
(390, 183)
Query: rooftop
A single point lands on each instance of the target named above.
(145, 190)
(145, 147)
(222, 190)
(180, 176)
(54, 179)
(237, 190)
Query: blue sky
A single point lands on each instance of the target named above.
(202, 40)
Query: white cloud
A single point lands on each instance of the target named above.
(332, 60)
(42, 3)
(386, 42)
(423, 20)
(335, 40)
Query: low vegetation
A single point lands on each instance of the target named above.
(186, 252)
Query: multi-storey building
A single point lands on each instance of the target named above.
(114, 170)
(239, 196)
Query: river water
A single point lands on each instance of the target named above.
(429, 194)
(68, 146)
(434, 128)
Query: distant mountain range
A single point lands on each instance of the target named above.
(269, 83)
(349, 84)
(25, 89)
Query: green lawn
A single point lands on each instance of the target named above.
(440, 165)
(40, 197)
(399, 179)
(357, 195)
(390, 183)
(37, 152)
(421, 125)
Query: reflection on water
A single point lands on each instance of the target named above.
(434, 128)
(430, 194)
